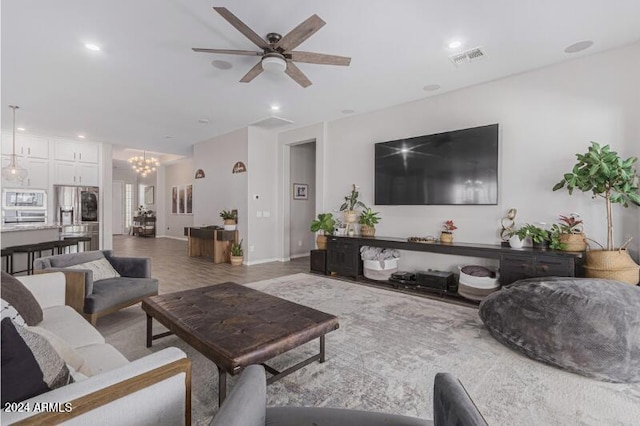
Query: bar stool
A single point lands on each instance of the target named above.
(31, 250)
(83, 240)
(62, 245)
(8, 254)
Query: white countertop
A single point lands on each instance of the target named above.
(27, 227)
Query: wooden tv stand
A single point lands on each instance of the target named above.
(343, 257)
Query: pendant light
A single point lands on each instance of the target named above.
(13, 172)
(143, 165)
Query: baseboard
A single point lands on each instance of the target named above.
(172, 237)
(297, 256)
(258, 262)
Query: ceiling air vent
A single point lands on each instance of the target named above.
(470, 55)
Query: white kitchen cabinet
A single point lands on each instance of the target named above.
(73, 173)
(26, 145)
(37, 176)
(82, 152)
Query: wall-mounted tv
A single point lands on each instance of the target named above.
(451, 168)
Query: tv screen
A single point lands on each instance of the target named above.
(452, 168)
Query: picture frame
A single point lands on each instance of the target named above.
(149, 195)
(174, 200)
(300, 191)
(189, 199)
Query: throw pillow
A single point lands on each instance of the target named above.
(14, 292)
(101, 269)
(66, 351)
(10, 312)
(21, 375)
(54, 370)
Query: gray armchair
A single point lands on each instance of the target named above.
(246, 406)
(92, 298)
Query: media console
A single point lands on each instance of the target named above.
(343, 257)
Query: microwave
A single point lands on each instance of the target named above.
(24, 199)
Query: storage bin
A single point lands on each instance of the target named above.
(375, 271)
(477, 288)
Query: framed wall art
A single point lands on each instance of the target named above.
(300, 191)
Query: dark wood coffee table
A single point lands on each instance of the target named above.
(235, 326)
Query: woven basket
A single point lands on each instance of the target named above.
(367, 231)
(573, 242)
(625, 275)
(609, 259)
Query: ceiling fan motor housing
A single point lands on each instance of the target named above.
(273, 38)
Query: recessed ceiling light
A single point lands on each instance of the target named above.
(81, 136)
(579, 46)
(275, 107)
(347, 111)
(203, 120)
(22, 129)
(167, 137)
(431, 87)
(221, 65)
(92, 46)
(454, 44)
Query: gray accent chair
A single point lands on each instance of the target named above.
(95, 299)
(246, 406)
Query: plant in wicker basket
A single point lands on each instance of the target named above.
(350, 204)
(368, 221)
(568, 235)
(446, 236)
(603, 173)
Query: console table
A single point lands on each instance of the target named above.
(211, 242)
(343, 256)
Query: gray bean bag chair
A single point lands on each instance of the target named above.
(583, 325)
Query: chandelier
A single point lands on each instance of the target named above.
(144, 165)
(13, 172)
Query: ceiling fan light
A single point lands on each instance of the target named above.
(274, 64)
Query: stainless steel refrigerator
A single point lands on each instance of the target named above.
(76, 210)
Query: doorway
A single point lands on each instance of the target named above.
(117, 212)
(302, 178)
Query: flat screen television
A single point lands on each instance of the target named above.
(451, 168)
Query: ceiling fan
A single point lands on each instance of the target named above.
(277, 51)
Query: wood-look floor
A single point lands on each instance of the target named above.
(177, 271)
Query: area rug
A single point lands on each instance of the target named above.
(386, 353)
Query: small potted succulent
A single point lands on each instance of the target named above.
(230, 218)
(568, 235)
(446, 236)
(350, 204)
(237, 254)
(325, 223)
(368, 221)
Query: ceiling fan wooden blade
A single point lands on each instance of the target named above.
(319, 58)
(299, 34)
(298, 76)
(229, 51)
(242, 27)
(253, 73)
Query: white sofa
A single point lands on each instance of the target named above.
(154, 390)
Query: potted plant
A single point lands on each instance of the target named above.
(230, 217)
(237, 254)
(540, 237)
(603, 173)
(350, 204)
(517, 238)
(568, 235)
(368, 221)
(326, 224)
(446, 236)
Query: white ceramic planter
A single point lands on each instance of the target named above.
(516, 242)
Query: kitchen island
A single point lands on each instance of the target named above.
(21, 234)
(211, 242)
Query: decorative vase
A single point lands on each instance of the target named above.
(367, 231)
(516, 242)
(612, 265)
(236, 260)
(321, 242)
(446, 237)
(350, 216)
(574, 242)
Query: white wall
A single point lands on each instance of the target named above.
(220, 189)
(260, 244)
(303, 171)
(546, 117)
(180, 172)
